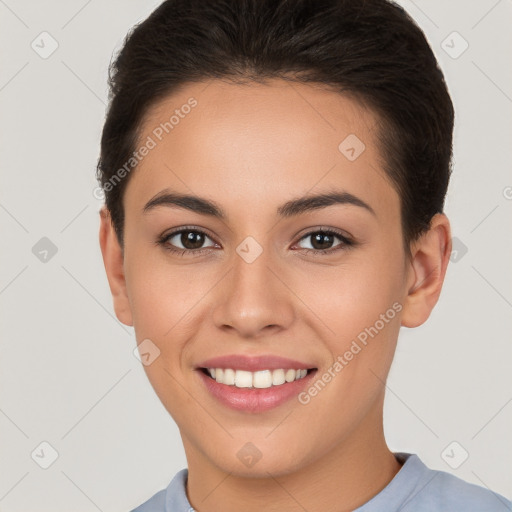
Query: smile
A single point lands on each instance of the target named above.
(259, 379)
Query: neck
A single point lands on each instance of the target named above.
(348, 476)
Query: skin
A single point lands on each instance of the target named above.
(251, 148)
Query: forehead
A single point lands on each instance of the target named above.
(260, 142)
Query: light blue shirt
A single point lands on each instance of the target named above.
(415, 488)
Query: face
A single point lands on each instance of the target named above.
(260, 273)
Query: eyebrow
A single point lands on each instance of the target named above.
(289, 209)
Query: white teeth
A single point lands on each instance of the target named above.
(243, 379)
(229, 377)
(278, 377)
(290, 375)
(260, 379)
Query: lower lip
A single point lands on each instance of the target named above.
(255, 399)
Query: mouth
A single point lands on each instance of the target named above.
(261, 379)
(244, 395)
(254, 384)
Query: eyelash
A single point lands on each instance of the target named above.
(346, 243)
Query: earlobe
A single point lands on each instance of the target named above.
(430, 257)
(113, 260)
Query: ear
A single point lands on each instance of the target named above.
(113, 260)
(430, 256)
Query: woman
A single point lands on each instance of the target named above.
(275, 175)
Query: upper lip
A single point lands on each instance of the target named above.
(254, 363)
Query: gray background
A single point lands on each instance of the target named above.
(67, 369)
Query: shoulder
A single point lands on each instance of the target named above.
(172, 498)
(155, 504)
(441, 491)
(451, 493)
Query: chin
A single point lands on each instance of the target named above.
(252, 462)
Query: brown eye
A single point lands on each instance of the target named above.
(184, 240)
(325, 241)
(322, 240)
(192, 239)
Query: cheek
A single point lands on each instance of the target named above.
(159, 310)
(160, 293)
(353, 295)
(360, 303)
(364, 315)
(162, 298)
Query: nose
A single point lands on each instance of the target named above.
(252, 300)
